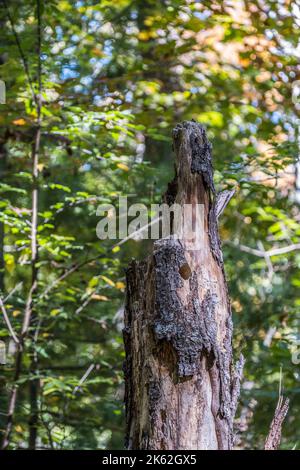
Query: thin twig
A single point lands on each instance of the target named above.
(17, 286)
(83, 378)
(85, 302)
(7, 321)
(90, 260)
(262, 254)
(267, 259)
(134, 235)
(66, 274)
(21, 52)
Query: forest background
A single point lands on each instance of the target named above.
(93, 91)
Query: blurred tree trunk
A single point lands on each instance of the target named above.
(3, 161)
(181, 387)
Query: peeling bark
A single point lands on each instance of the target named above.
(181, 386)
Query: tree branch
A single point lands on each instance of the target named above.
(67, 273)
(7, 321)
(21, 52)
(274, 436)
(262, 254)
(31, 312)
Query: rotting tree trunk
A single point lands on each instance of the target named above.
(181, 386)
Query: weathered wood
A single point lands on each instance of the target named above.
(274, 436)
(181, 386)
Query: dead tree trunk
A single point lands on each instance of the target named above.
(181, 386)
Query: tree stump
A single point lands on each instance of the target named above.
(181, 388)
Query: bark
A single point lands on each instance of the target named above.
(274, 436)
(181, 388)
(3, 162)
(31, 311)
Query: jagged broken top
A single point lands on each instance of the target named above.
(193, 137)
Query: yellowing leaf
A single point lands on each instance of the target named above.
(122, 166)
(93, 281)
(149, 21)
(9, 261)
(19, 122)
(16, 313)
(18, 428)
(99, 297)
(116, 249)
(143, 36)
(64, 6)
(108, 281)
(213, 118)
(120, 285)
(41, 166)
(97, 52)
(54, 312)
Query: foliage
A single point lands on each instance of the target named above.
(116, 77)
